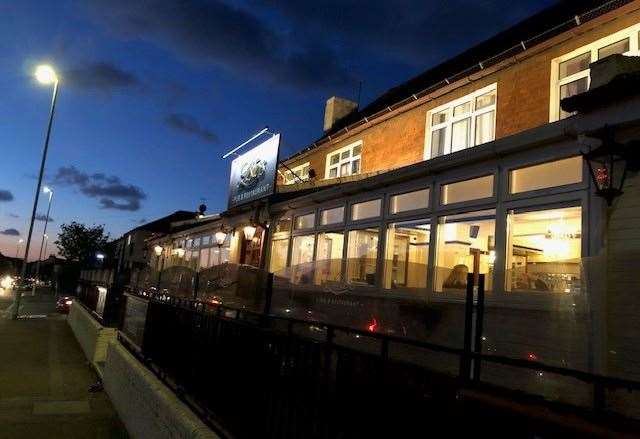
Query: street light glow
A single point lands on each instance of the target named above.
(45, 74)
(46, 189)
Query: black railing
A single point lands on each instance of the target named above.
(275, 376)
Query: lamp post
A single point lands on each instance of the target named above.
(20, 241)
(159, 250)
(47, 76)
(46, 190)
(221, 237)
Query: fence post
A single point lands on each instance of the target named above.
(465, 360)
(196, 281)
(268, 294)
(479, 327)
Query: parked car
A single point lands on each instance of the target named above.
(63, 304)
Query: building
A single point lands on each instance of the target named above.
(473, 167)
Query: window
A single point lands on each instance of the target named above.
(546, 175)
(409, 201)
(466, 190)
(206, 240)
(362, 256)
(463, 123)
(302, 172)
(216, 255)
(283, 225)
(544, 250)
(332, 216)
(302, 259)
(465, 242)
(305, 221)
(407, 255)
(278, 261)
(344, 162)
(329, 257)
(570, 73)
(367, 209)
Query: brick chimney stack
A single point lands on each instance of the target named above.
(336, 109)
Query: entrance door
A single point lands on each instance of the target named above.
(251, 250)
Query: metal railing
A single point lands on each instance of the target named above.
(261, 374)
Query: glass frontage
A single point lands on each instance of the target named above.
(473, 189)
(409, 201)
(329, 257)
(466, 244)
(362, 256)
(332, 216)
(407, 255)
(305, 221)
(279, 249)
(367, 209)
(546, 175)
(543, 250)
(302, 258)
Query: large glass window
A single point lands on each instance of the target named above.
(473, 189)
(545, 175)
(460, 124)
(305, 221)
(344, 161)
(573, 74)
(466, 244)
(329, 257)
(279, 249)
(302, 259)
(409, 201)
(283, 224)
(407, 255)
(362, 255)
(543, 250)
(332, 216)
(366, 209)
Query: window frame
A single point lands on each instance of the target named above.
(472, 115)
(341, 161)
(287, 175)
(631, 32)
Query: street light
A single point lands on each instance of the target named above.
(46, 190)
(45, 74)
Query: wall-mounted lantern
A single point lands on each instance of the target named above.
(609, 163)
(249, 232)
(220, 236)
(158, 250)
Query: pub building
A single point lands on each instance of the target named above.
(515, 160)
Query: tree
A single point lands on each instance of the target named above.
(77, 242)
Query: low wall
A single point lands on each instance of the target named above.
(92, 336)
(145, 405)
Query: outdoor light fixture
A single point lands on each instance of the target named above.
(158, 250)
(45, 74)
(100, 256)
(179, 252)
(608, 165)
(47, 190)
(221, 237)
(249, 232)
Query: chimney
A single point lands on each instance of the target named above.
(336, 109)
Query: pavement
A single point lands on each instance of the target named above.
(45, 378)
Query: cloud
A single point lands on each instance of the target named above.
(213, 32)
(5, 195)
(13, 215)
(100, 76)
(140, 221)
(43, 217)
(110, 191)
(186, 123)
(10, 232)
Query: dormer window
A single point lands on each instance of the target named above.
(344, 161)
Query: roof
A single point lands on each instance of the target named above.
(164, 224)
(532, 31)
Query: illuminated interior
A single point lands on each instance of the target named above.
(407, 255)
(362, 255)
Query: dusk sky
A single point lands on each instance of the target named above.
(153, 92)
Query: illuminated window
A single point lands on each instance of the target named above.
(329, 257)
(302, 259)
(278, 258)
(407, 255)
(367, 209)
(344, 161)
(283, 224)
(305, 221)
(571, 74)
(546, 175)
(463, 123)
(362, 256)
(543, 250)
(409, 201)
(466, 243)
(473, 189)
(332, 216)
(301, 171)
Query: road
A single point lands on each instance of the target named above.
(45, 379)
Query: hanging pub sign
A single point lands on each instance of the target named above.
(253, 174)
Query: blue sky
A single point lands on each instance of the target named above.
(153, 92)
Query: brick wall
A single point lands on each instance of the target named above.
(523, 94)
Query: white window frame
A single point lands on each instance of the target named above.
(289, 178)
(473, 114)
(554, 102)
(341, 161)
